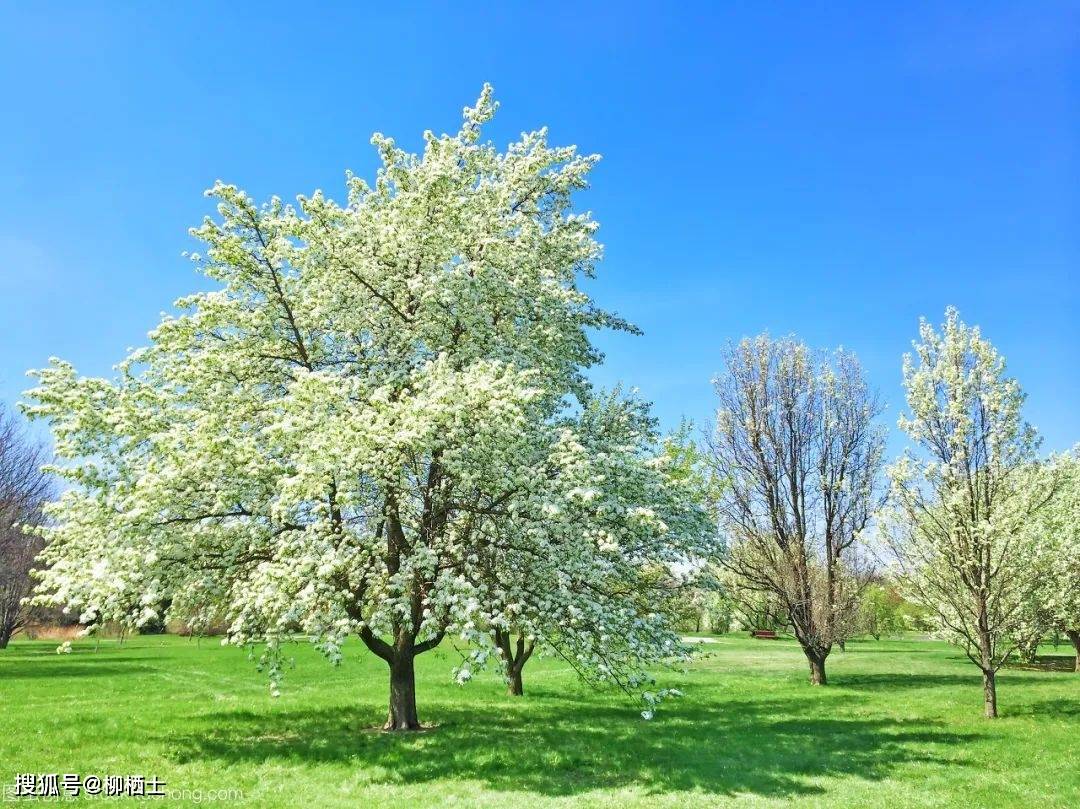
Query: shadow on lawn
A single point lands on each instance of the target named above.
(768, 747)
(1057, 708)
(80, 670)
(899, 680)
(1066, 663)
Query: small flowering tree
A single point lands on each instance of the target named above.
(962, 509)
(627, 495)
(366, 424)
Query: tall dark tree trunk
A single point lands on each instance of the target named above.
(402, 715)
(5, 636)
(1074, 636)
(990, 694)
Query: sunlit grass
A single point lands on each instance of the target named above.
(900, 725)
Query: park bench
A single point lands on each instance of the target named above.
(764, 634)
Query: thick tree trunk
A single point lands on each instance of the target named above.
(402, 714)
(817, 670)
(1074, 636)
(514, 686)
(990, 694)
(5, 636)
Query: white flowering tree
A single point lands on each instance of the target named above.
(800, 456)
(334, 440)
(962, 506)
(627, 496)
(1055, 554)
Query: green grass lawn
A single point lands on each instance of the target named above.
(900, 725)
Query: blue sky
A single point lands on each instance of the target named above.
(830, 172)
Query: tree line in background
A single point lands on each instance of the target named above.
(379, 426)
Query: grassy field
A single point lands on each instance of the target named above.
(898, 726)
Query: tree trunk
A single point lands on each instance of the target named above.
(990, 694)
(817, 671)
(513, 660)
(5, 636)
(986, 652)
(402, 714)
(514, 686)
(1074, 636)
(817, 660)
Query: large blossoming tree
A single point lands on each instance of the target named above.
(367, 423)
(965, 502)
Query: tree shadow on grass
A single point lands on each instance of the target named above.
(79, 670)
(875, 650)
(899, 680)
(1057, 708)
(1066, 663)
(554, 747)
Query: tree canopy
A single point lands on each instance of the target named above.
(378, 425)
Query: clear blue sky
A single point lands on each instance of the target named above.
(834, 173)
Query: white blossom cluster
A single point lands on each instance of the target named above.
(378, 423)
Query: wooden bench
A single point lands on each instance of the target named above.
(763, 634)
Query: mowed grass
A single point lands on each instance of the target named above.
(899, 726)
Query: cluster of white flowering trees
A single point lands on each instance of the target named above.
(378, 425)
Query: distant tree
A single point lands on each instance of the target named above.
(377, 396)
(753, 609)
(24, 488)
(881, 611)
(798, 449)
(962, 505)
(711, 608)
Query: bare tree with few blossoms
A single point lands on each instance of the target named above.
(378, 397)
(963, 506)
(24, 488)
(800, 455)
